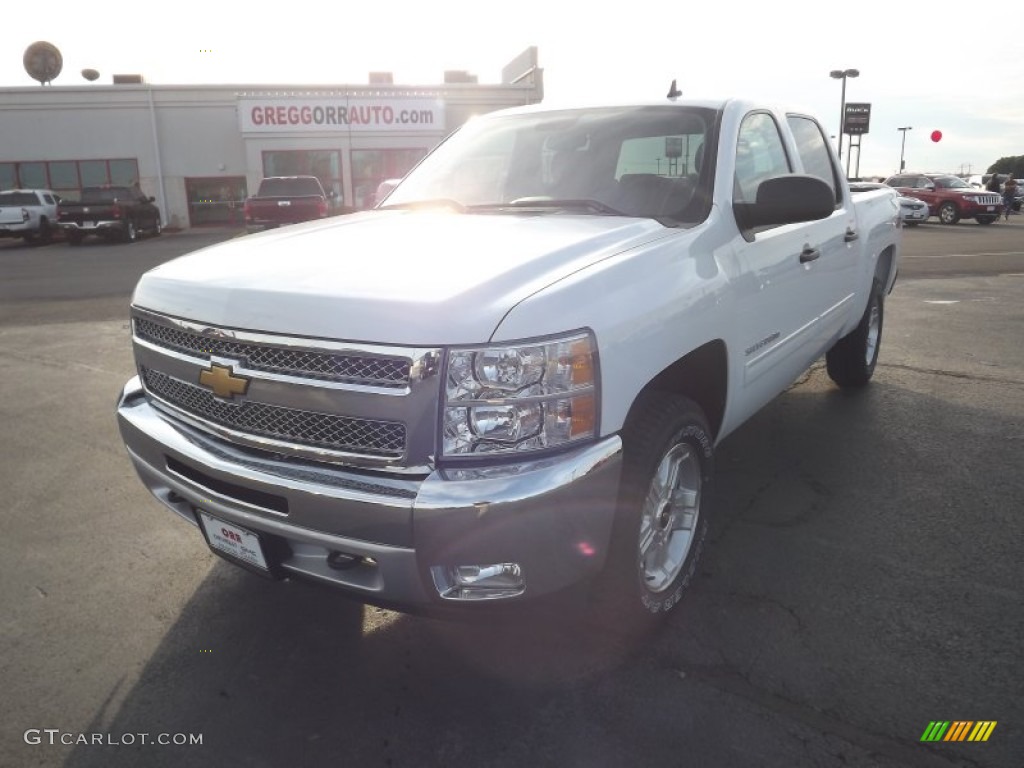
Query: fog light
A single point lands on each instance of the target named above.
(479, 582)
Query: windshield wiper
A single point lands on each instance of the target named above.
(437, 202)
(534, 203)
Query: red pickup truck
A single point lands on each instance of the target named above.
(285, 200)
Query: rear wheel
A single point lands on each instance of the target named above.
(851, 362)
(45, 231)
(74, 238)
(157, 228)
(130, 234)
(659, 532)
(948, 213)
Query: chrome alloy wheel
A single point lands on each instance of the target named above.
(669, 518)
(874, 331)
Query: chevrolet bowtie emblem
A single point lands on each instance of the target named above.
(222, 381)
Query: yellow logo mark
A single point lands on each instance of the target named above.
(222, 381)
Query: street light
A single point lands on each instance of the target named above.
(903, 143)
(842, 74)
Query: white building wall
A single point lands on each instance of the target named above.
(198, 129)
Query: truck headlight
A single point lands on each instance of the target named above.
(512, 398)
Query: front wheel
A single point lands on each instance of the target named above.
(661, 524)
(851, 362)
(986, 219)
(948, 213)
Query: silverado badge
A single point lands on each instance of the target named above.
(222, 381)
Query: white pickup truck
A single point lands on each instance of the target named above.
(510, 378)
(30, 214)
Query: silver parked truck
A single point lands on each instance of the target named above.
(509, 379)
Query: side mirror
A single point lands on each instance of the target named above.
(787, 200)
(150, 199)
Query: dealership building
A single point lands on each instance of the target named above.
(201, 150)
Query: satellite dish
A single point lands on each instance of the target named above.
(90, 74)
(43, 61)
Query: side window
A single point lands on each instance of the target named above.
(49, 199)
(814, 152)
(760, 155)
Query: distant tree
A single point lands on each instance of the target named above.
(1013, 165)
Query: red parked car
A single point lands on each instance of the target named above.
(949, 197)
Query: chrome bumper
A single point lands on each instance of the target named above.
(552, 517)
(94, 226)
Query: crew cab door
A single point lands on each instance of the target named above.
(792, 276)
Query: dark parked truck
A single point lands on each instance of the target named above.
(508, 381)
(116, 213)
(285, 200)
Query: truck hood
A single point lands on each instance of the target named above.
(393, 277)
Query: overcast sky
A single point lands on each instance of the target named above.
(920, 66)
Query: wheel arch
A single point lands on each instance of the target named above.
(701, 375)
(885, 269)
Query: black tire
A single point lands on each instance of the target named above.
(661, 524)
(158, 228)
(949, 213)
(985, 219)
(130, 233)
(851, 361)
(45, 231)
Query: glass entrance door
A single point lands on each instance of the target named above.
(216, 201)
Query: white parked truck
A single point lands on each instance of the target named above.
(30, 214)
(509, 379)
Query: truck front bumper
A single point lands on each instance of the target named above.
(502, 533)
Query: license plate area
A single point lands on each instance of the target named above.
(241, 546)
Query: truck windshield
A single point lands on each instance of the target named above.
(633, 161)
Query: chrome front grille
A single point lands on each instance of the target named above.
(288, 425)
(989, 199)
(303, 363)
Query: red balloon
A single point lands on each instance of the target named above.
(936, 135)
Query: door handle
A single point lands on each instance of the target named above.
(809, 254)
(851, 235)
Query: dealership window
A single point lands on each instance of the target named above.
(8, 176)
(64, 176)
(325, 164)
(32, 175)
(68, 176)
(94, 173)
(372, 166)
(216, 201)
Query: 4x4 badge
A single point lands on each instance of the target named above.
(222, 381)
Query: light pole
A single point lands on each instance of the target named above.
(903, 143)
(842, 74)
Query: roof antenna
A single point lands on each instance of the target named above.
(674, 92)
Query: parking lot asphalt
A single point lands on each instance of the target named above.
(863, 579)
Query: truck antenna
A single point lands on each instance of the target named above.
(674, 92)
